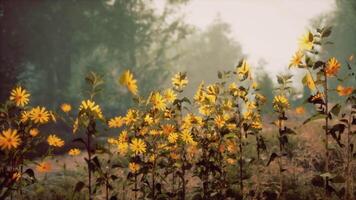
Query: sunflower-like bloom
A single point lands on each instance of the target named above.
(134, 167)
(306, 42)
(344, 91)
(9, 139)
(19, 96)
(131, 116)
(199, 95)
(34, 132)
(179, 81)
(74, 152)
(127, 80)
(280, 103)
(138, 146)
(206, 109)
(122, 148)
(123, 137)
(256, 124)
(44, 167)
(296, 59)
(65, 107)
(244, 69)
(220, 121)
(91, 106)
(173, 137)
(250, 105)
(39, 115)
(187, 137)
(212, 92)
(332, 67)
(148, 119)
(309, 81)
(25, 116)
(169, 95)
(168, 128)
(299, 110)
(157, 101)
(55, 141)
(116, 122)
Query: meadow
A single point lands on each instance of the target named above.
(214, 145)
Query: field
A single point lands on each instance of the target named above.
(131, 133)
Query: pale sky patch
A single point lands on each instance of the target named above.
(266, 29)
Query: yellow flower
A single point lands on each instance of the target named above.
(16, 176)
(332, 67)
(144, 131)
(309, 81)
(200, 94)
(75, 125)
(112, 140)
(66, 107)
(231, 161)
(168, 128)
(212, 92)
(34, 132)
(39, 115)
(296, 59)
(256, 124)
(306, 41)
(44, 167)
(187, 137)
(55, 141)
(116, 122)
(169, 95)
(243, 69)
(179, 81)
(91, 106)
(74, 152)
(300, 110)
(131, 116)
(148, 119)
(158, 102)
(138, 146)
(19, 96)
(344, 91)
(134, 167)
(250, 105)
(25, 116)
(122, 148)
(280, 103)
(173, 137)
(127, 80)
(123, 137)
(220, 121)
(9, 139)
(206, 110)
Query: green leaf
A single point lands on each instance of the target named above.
(79, 186)
(335, 110)
(326, 32)
(314, 117)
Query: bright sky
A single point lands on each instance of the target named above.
(266, 29)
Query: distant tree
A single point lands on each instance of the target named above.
(51, 45)
(266, 87)
(205, 53)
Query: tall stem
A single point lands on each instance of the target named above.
(280, 154)
(240, 161)
(326, 129)
(89, 161)
(347, 194)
